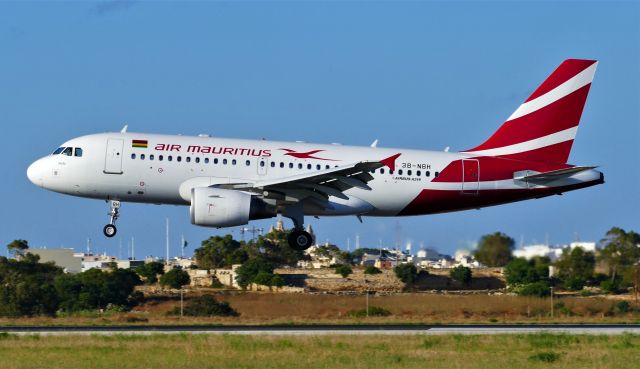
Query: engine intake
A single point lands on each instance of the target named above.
(215, 207)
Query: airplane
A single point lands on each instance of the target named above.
(228, 182)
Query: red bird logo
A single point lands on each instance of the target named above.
(306, 155)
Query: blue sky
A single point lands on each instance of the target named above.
(416, 75)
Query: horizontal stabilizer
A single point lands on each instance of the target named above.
(532, 176)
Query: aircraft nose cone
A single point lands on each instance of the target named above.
(35, 173)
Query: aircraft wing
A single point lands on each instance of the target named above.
(319, 184)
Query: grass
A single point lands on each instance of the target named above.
(416, 308)
(340, 351)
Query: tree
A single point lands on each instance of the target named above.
(250, 269)
(150, 271)
(220, 252)
(344, 270)
(620, 251)
(96, 289)
(494, 250)
(18, 247)
(175, 278)
(575, 267)
(407, 273)
(461, 274)
(27, 287)
(370, 269)
(523, 271)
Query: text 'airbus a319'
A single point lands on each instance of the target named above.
(228, 182)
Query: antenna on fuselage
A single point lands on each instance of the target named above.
(124, 129)
(446, 149)
(374, 143)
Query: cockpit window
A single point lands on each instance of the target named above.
(68, 151)
(78, 151)
(58, 151)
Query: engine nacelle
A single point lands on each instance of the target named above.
(215, 207)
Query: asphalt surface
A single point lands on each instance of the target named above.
(608, 329)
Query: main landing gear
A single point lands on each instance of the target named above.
(110, 229)
(299, 239)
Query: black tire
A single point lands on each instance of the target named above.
(300, 240)
(110, 230)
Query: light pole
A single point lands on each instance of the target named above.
(551, 288)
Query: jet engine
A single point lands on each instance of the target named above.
(215, 207)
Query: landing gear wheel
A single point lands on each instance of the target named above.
(300, 240)
(109, 230)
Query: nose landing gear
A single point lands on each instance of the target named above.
(110, 229)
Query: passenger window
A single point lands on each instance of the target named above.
(281, 165)
(160, 157)
(247, 162)
(326, 167)
(169, 158)
(382, 171)
(188, 159)
(179, 158)
(308, 166)
(262, 163)
(197, 160)
(318, 167)
(78, 151)
(299, 165)
(215, 161)
(436, 174)
(427, 173)
(58, 151)
(290, 165)
(133, 156)
(273, 164)
(418, 173)
(206, 160)
(224, 161)
(409, 172)
(151, 157)
(141, 156)
(233, 162)
(399, 172)
(67, 151)
(391, 172)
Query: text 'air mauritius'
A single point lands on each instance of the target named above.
(198, 149)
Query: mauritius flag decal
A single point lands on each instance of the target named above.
(141, 144)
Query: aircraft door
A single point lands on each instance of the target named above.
(113, 156)
(470, 176)
(263, 164)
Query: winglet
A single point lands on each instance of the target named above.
(124, 129)
(374, 143)
(390, 161)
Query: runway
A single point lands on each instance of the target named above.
(481, 329)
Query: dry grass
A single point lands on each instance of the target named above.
(272, 308)
(282, 352)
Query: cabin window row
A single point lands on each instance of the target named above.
(272, 164)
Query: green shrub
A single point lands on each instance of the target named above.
(205, 305)
(622, 307)
(373, 311)
(461, 274)
(344, 270)
(175, 278)
(372, 270)
(610, 286)
(538, 289)
(215, 283)
(407, 273)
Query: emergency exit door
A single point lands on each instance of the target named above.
(470, 176)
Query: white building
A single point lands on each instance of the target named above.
(552, 252)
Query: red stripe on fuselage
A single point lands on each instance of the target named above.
(443, 201)
(567, 70)
(496, 168)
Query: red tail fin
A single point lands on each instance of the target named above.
(544, 126)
